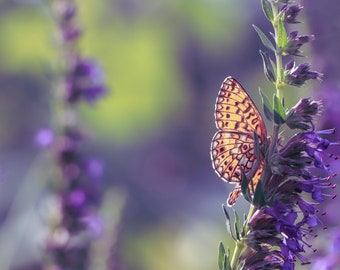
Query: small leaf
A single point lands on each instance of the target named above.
(228, 223)
(267, 106)
(259, 199)
(237, 226)
(245, 223)
(268, 67)
(221, 256)
(266, 42)
(267, 9)
(279, 111)
(244, 187)
(227, 262)
(281, 33)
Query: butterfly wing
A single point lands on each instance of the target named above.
(231, 152)
(235, 111)
(232, 147)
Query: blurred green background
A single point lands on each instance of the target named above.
(164, 62)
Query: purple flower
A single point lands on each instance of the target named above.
(295, 42)
(298, 75)
(44, 137)
(85, 80)
(66, 12)
(291, 12)
(70, 33)
(301, 115)
(279, 230)
(303, 150)
(95, 168)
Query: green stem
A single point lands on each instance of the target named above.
(240, 244)
(278, 57)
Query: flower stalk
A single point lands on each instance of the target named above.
(77, 191)
(280, 222)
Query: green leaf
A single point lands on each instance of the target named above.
(245, 223)
(237, 225)
(267, 10)
(268, 67)
(267, 106)
(228, 223)
(266, 42)
(259, 199)
(227, 262)
(281, 33)
(279, 111)
(244, 187)
(221, 256)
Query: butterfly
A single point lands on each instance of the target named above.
(233, 145)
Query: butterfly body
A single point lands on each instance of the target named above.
(233, 145)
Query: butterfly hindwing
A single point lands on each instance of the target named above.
(231, 152)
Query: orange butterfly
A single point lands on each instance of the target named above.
(232, 147)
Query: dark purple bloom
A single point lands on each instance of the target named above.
(85, 80)
(301, 115)
(298, 75)
(301, 151)
(295, 42)
(291, 12)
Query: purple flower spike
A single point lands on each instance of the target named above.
(286, 220)
(80, 189)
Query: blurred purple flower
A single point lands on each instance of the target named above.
(85, 80)
(70, 34)
(79, 192)
(44, 137)
(95, 168)
(66, 12)
(332, 258)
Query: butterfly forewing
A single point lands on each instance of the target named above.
(232, 148)
(235, 110)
